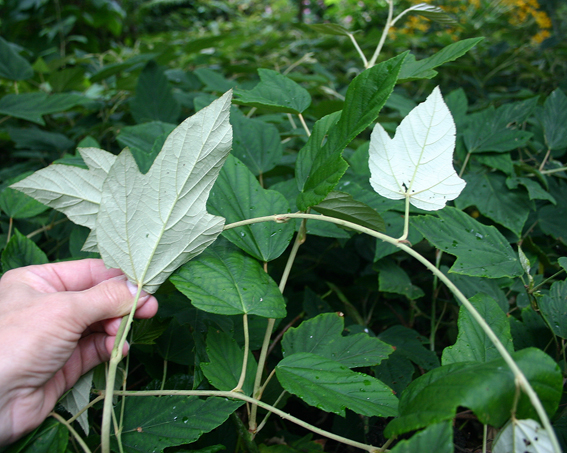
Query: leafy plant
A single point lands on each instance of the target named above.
(350, 309)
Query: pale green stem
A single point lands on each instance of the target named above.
(86, 408)
(518, 374)
(10, 226)
(299, 239)
(291, 121)
(46, 228)
(544, 161)
(75, 434)
(263, 423)
(115, 359)
(404, 236)
(238, 387)
(164, 375)
(359, 50)
(484, 437)
(372, 61)
(464, 164)
(555, 170)
(387, 444)
(248, 399)
(304, 124)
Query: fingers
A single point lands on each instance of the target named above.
(72, 275)
(111, 298)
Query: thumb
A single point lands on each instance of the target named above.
(111, 298)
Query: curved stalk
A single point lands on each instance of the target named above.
(75, 434)
(372, 61)
(238, 387)
(518, 374)
(248, 399)
(115, 359)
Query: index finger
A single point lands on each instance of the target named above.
(74, 275)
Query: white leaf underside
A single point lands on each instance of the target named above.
(74, 191)
(417, 162)
(151, 224)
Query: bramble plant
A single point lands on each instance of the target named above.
(208, 213)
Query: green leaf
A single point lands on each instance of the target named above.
(256, 143)
(486, 388)
(563, 262)
(554, 309)
(307, 154)
(154, 100)
(78, 397)
(433, 13)
(343, 206)
(481, 250)
(225, 363)
(471, 286)
(152, 424)
(554, 120)
(225, 281)
(69, 79)
(418, 162)
(237, 195)
(332, 387)
(74, 191)
(423, 69)
(322, 335)
(176, 343)
(149, 225)
(395, 228)
(145, 141)
(396, 372)
(50, 437)
(552, 221)
(146, 331)
(12, 65)
(409, 344)
(473, 345)
(490, 194)
(365, 97)
(32, 106)
(437, 438)
(535, 191)
(489, 130)
(275, 92)
(393, 279)
(330, 29)
(214, 81)
(518, 435)
(21, 251)
(18, 205)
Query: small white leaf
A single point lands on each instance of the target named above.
(433, 13)
(78, 397)
(74, 191)
(417, 162)
(151, 224)
(526, 436)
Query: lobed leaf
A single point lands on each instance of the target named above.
(417, 162)
(149, 225)
(481, 250)
(322, 335)
(332, 387)
(223, 280)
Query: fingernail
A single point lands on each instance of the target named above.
(132, 287)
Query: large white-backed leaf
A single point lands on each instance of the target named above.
(151, 224)
(417, 162)
(74, 191)
(526, 436)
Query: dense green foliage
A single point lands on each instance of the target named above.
(403, 354)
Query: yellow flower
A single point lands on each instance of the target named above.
(539, 37)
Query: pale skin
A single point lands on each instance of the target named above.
(57, 321)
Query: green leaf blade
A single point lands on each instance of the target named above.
(332, 387)
(225, 281)
(481, 250)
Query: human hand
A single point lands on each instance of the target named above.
(57, 321)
